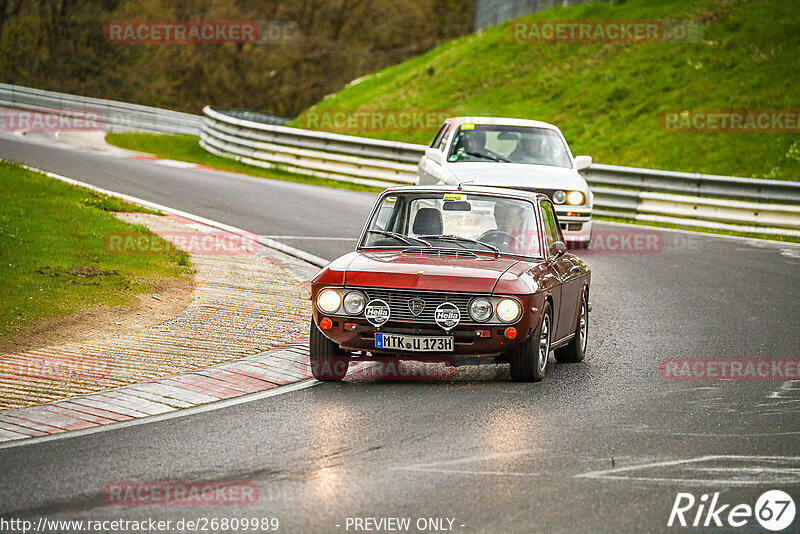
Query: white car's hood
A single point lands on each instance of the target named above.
(516, 174)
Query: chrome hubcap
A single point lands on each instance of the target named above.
(583, 325)
(544, 343)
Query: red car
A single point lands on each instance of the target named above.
(455, 274)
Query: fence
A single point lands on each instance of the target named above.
(718, 202)
(114, 115)
(741, 204)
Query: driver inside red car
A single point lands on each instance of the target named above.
(516, 230)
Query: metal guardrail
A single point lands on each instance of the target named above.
(744, 204)
(113, 115)
(703, 185)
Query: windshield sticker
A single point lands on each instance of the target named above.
(453, 196)
(454, 157)
(467, 126)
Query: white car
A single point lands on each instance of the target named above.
(515, 153)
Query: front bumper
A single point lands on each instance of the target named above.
(359, 335)
(576, 231)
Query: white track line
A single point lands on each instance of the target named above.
(183, 412)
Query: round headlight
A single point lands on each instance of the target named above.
(480, 309)
(508, 310)
(328, 300)
(559, 197)
(354, 302)
(575, 198)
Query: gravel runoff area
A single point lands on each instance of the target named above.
(244, 303)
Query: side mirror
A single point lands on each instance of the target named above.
(434, 154)
(583, 162)
(558, 249)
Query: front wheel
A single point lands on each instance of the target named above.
(575, 351)
(328, 361)
(529, 360)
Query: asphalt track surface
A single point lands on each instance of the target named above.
(605, 445)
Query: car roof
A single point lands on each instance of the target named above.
(505, 121)
(465, 188)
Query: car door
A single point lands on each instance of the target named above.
(430, 171)
(564, 299)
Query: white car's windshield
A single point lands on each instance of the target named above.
(475, 223)
(509, 144)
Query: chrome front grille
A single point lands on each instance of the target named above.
(398, 300)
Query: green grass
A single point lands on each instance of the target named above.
(607, 98)
(53, 257)
(186, 148)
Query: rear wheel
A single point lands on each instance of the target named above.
(328, 361)
(529, 360)
(575, 351)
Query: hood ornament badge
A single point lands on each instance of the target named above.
(416, 305)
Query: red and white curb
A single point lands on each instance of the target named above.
(175, 164)
(277, 369)
(244, 376)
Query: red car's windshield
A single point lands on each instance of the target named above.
(479, 223)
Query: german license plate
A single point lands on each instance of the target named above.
(414, 343)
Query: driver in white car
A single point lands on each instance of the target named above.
(470, 143)
(530, 149)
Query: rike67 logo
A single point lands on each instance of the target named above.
(774, 511)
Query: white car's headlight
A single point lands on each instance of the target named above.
(575, 198)
(328, 301)
(559, 197)
(354, 302)
(508, 310)
(480, 309)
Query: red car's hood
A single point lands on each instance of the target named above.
(413, 271)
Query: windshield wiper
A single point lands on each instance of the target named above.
(487, 156)
(450, 237)
(404, 238)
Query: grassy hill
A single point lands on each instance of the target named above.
(607, 98)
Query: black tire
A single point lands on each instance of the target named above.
(575, 350)
(529, 360)
(328, 361)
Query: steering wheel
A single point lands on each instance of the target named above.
(499, 237)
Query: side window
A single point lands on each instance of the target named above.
(439, 135)
(445, 137)
(386, 213)
(551, 229)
